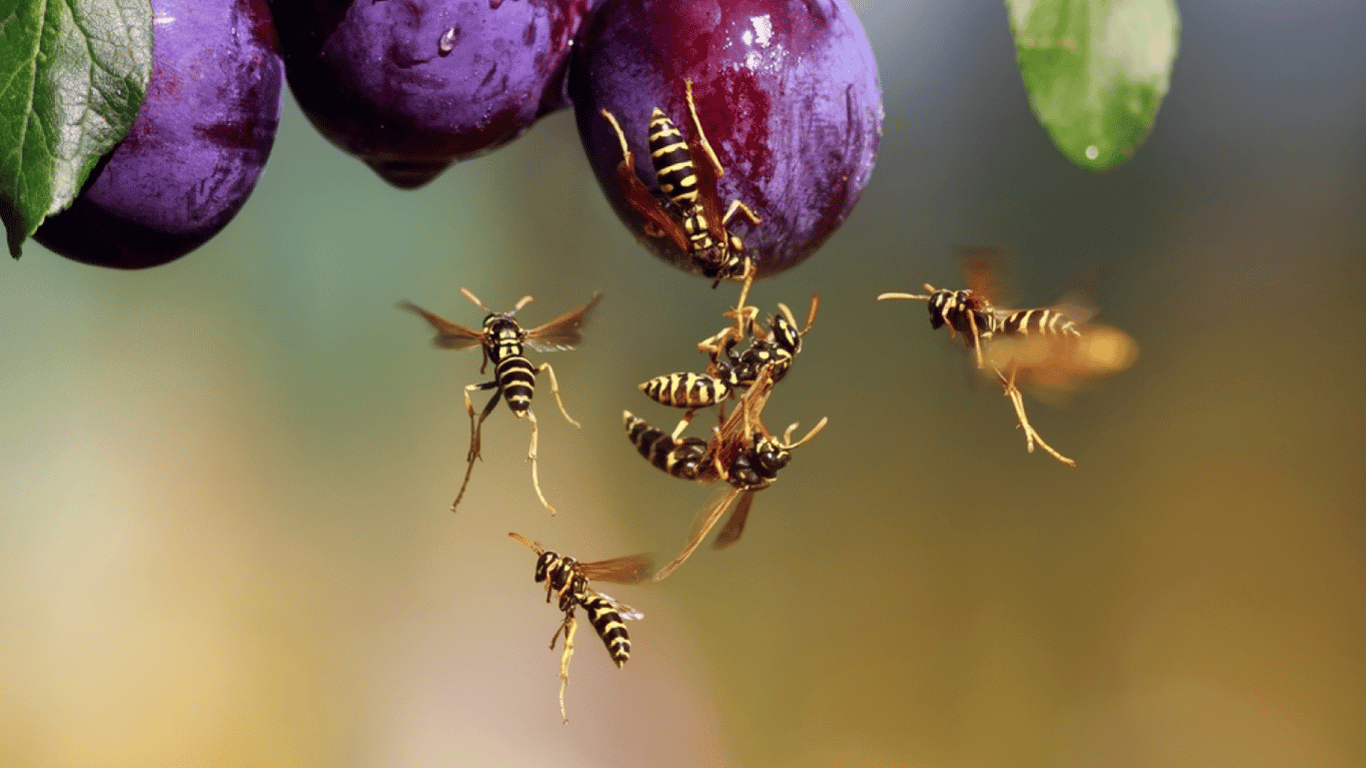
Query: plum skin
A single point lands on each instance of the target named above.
(787, 92)
(198, 145)
(410, 86)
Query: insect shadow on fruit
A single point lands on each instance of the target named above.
(502, 340)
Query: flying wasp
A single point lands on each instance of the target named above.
(568, 579)
(730, 372)
(744, 454)
(690, 213)
(514, 377)
(1051, 348)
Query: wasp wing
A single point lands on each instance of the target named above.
(736, 524)
(990, 273)
(706, 167)
(648, 205)
(448, 335)
(564, 332)
(706, 520)
(624, 610)
(621, 570)
(1063, 365)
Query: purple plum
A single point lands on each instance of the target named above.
(788, 96)
(197, 147)
(411, 86)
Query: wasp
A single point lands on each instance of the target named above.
(568, 579)
(1052, 348)
(730, 372)
(514, 377)
(678, 456)
(689, 214)
(741, 452)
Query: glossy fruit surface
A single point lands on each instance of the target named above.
(787, 92)
(197, 148)
(411, 86)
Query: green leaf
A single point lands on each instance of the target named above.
(1095, 71)
(76, 75)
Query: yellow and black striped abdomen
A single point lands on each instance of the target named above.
(1042, 322)
(672, 161)
(679, 457)
(603, 615)
(517, 381)
(686, 390)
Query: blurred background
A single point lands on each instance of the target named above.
(224, 483)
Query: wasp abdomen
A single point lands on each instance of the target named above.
(672, 161)
(686, 390)
(679, 457)
(609, 625)
(1046, 322)
(517, 378)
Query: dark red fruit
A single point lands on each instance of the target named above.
(197, 147)
(411, 86)
(787, 92)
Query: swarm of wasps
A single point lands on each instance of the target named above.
(1052, 348)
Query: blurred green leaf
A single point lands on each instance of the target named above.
(1095, 71)
(76, 76)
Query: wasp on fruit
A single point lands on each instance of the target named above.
(502, 340)
(568, 579)
(688, 210)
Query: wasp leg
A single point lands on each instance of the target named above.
(701, 134)
(743, 312)
(977, 347)
(555, 390)
(737, 205)
(1031, 435)
(531, 457)
(569, 627)
(476, 429)
(683, 423)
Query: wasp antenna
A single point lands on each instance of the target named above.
(532, 545)
(525, 300)
(470, 295)
(814, 430)
(811, 316)
(885, 296)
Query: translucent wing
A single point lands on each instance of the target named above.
(626, 611)
(990, 273)
(736, 524)
(706, 520)
(621, 570)
(1064, 364)
(737, 431)
(564, 332)
(448, 335)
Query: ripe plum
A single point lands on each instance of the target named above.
(787, 92)
(197, 147)
(411, 86)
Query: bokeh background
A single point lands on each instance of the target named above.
(224, 535)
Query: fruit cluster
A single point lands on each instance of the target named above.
(778, 101)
